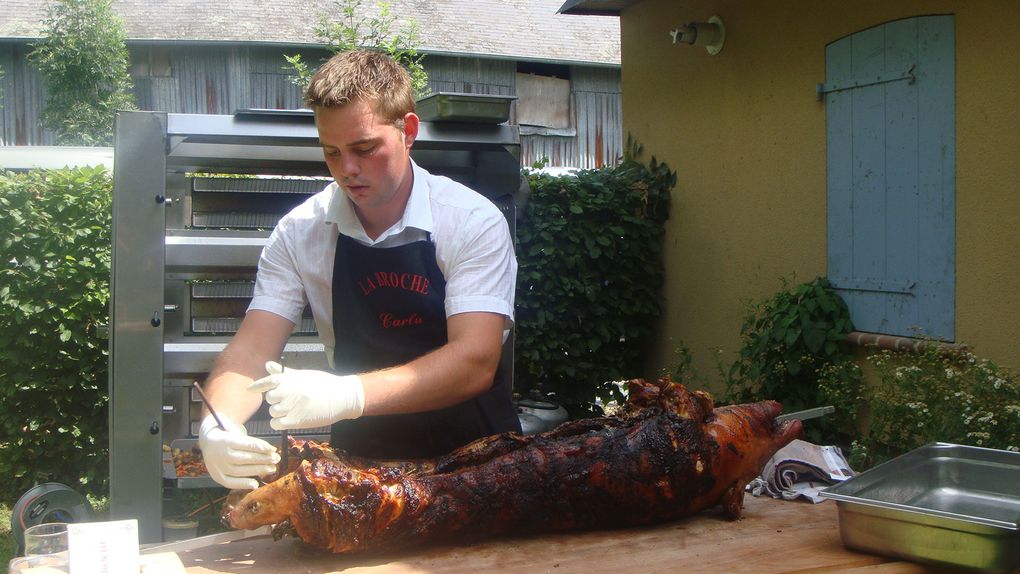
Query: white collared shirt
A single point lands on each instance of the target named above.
(474, 251)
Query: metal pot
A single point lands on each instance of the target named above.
(548, 413)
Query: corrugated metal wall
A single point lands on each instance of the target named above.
(22, 96)
(471, 75)
(597, 118)
(218, 79)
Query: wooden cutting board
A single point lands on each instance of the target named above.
(772, 537)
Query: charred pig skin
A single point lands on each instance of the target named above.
(669, 453)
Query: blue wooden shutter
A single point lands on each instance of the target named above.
(891, 135)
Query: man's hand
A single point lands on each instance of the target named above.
(232, 456)
(301, 399)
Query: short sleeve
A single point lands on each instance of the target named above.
(482, 269)
(278, 285)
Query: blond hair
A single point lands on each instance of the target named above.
(363, 75)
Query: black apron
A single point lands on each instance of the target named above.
(389, 309)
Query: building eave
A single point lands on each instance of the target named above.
(595, 7)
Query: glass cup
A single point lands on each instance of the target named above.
(48, 563)
(45, 548)
(46, 539)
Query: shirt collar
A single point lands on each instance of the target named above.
(417, 213)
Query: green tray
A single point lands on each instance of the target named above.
(469, 108)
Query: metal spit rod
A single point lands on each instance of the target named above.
(208, 405)
(805, 414)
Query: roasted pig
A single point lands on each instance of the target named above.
(669, 453)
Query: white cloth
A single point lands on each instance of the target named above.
(801, 470)
(474, 251)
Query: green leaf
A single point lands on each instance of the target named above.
(790, 336)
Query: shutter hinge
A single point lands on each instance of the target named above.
(873, 286)
(822, 89)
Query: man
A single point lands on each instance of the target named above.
(410, 278)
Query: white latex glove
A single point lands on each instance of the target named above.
(232, 456)
(302, 398)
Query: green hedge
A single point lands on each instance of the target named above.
(589, 282)
(54, 293)
(590, 253)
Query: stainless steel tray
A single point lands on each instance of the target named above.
(941, 503)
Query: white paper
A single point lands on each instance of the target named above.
(103, 547)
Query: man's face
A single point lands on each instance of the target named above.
(367, 156)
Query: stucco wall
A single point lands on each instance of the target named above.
(747, 137)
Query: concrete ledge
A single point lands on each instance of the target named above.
(54, 157)
(897, 343)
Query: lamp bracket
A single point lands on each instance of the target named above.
(709, 34)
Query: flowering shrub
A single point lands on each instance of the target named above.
(937, 396)
(841, 384)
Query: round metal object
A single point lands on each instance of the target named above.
(530, 424)
(49, 502)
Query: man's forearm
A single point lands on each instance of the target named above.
(228, 393)
(260, 338)
(458, 371)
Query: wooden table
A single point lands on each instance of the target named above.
(772, 537)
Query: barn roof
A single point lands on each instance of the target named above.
(506, 29)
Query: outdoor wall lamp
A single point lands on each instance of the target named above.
(709, 34)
